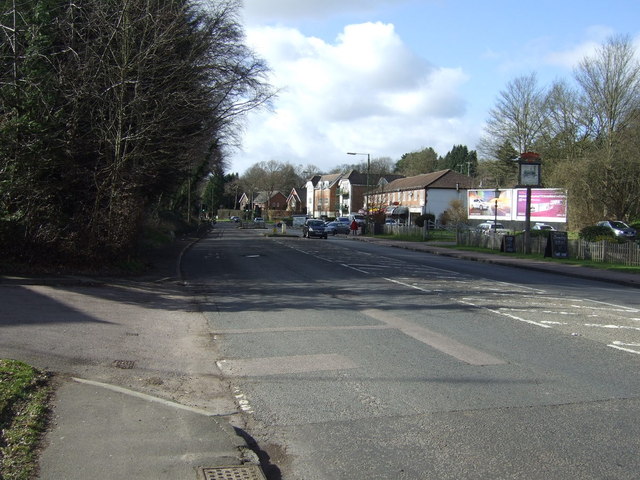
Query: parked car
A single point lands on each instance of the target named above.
(333, 228)
(620, 229)
(393, 221)
(542, 226)
(343, 220)
(234, 219)
(314, 227)
(491, 227)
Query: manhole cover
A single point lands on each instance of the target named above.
(234, 472)
(124, 364)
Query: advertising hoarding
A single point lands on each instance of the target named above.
(482, 204)
(547, 204)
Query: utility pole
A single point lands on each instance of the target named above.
(365, 197)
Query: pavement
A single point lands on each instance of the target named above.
(107, 431)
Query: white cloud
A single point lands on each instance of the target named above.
(261, 11)
(366, 91)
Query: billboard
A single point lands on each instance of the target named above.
(482, 204)
(547, 204)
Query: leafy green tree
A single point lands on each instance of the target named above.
(417, 163)
(461, 160)
(501, 172)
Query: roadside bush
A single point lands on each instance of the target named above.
(419, 221)
(540, 233)
(594, 233)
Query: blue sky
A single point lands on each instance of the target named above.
(388, 77)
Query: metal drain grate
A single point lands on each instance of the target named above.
(124, 364)
(234, 472)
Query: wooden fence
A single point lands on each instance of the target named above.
(627, 253)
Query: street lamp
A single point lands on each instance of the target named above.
(367, 191)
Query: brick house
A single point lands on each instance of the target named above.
(410, 197)
(297, 201)
(324, 196)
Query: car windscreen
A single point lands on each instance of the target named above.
(620, 225)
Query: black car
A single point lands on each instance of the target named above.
(337, 227)
(314, 228)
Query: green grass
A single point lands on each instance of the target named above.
(566, 261)
(432, 236)
(24, 395)
(449, 236)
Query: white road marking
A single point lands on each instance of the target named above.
(624, 349)
(504, 314)
(618, 342)
(620, 308)
(613, 327)
(354, 268)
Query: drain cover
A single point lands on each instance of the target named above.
(234, 472)
(124, 364)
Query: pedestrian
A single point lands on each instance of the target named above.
(354, 227)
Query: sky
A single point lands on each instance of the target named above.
(388, 77)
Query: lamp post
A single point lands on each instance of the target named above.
(495, 209)
(367, 191)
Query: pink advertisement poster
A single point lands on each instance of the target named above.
(547, 204)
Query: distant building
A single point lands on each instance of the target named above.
(270, 201)
(297, 201)
(410, 197)
(324, 195)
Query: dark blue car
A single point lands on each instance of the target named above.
(314, 228)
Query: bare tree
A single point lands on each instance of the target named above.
(518, 116)
(610, 82)
(603, 179)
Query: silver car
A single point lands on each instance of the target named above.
(620, 229)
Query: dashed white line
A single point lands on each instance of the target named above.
(624, 349)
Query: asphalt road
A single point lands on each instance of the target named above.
(351, 360)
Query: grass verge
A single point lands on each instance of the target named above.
(24, 396)
(566, 261)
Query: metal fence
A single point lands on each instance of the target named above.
(627, 253)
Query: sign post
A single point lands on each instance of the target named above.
(528, 176)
